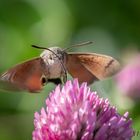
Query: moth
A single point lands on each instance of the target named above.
(53, 64)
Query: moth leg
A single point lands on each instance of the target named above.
(64, 77)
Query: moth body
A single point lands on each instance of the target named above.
(55, 62)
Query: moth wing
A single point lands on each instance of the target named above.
(100, 66)
(77, 70)
(25, 76)
(8, 86)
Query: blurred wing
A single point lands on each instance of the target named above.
(8, 86)
(100, 66)
(25, 76)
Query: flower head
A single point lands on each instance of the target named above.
(73, 112)
(128, 79)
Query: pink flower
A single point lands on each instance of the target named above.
(128, 79)
(73, 112)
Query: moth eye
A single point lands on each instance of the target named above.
(43, 80)
(50, 57)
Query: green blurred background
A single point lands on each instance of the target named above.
(114, 26)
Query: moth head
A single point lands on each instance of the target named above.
(53, 53)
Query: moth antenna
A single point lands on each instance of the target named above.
(79, 45)
(43, 48)
(83, 43)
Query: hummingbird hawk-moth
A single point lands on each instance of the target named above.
(53, 65)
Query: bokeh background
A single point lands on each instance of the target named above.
(114, 26)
